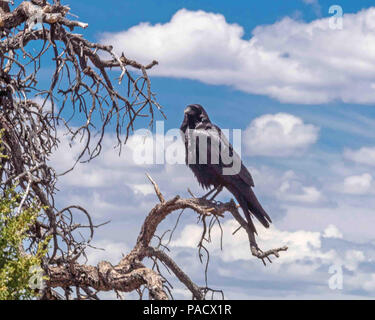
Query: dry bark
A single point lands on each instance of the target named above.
(131, 274)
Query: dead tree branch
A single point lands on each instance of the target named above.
(33, 112)
(130, 273)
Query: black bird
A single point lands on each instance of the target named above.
(196, 126)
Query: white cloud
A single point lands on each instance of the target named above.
(332, 232)
(305, 254)
(287, 186)
(365, 155)
(369, 283)
(361, 184)
(292, 61)
(145, 189)
(306, 264)
(353, 258)
(278, 135)
(354, 219)
(302, 244)
(307, 195)
(111, 168)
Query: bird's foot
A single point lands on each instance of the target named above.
(208, 193)
(216, 202)
(218, 190)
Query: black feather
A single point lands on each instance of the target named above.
(210, 174)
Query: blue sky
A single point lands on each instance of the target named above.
(176, 92)
(307, 113)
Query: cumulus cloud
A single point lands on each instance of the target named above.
(332, 232)
(353, 258)
(355, 219)
(292, 61)
(369, 283)
(361, 184)
(365, 155)
(145, 189)
(305, 255)
(302, 243)
(307, 194)
(278, 135)
(306, 264)
(287, 187)
(140, 152)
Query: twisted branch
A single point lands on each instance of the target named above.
(32, 115)
(130, 273)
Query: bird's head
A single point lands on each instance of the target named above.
(194, 114)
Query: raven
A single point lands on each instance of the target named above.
(197, 127)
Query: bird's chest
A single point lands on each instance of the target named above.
(200, 160)
(205, 175)
(200, 149)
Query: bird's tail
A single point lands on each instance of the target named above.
(250, 205)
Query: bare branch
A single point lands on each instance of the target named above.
(105, 277)
(32, 116)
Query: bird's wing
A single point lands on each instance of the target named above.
(239, 184)
(244, 174)
(214, 136)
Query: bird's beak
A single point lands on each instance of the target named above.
(188, 110)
